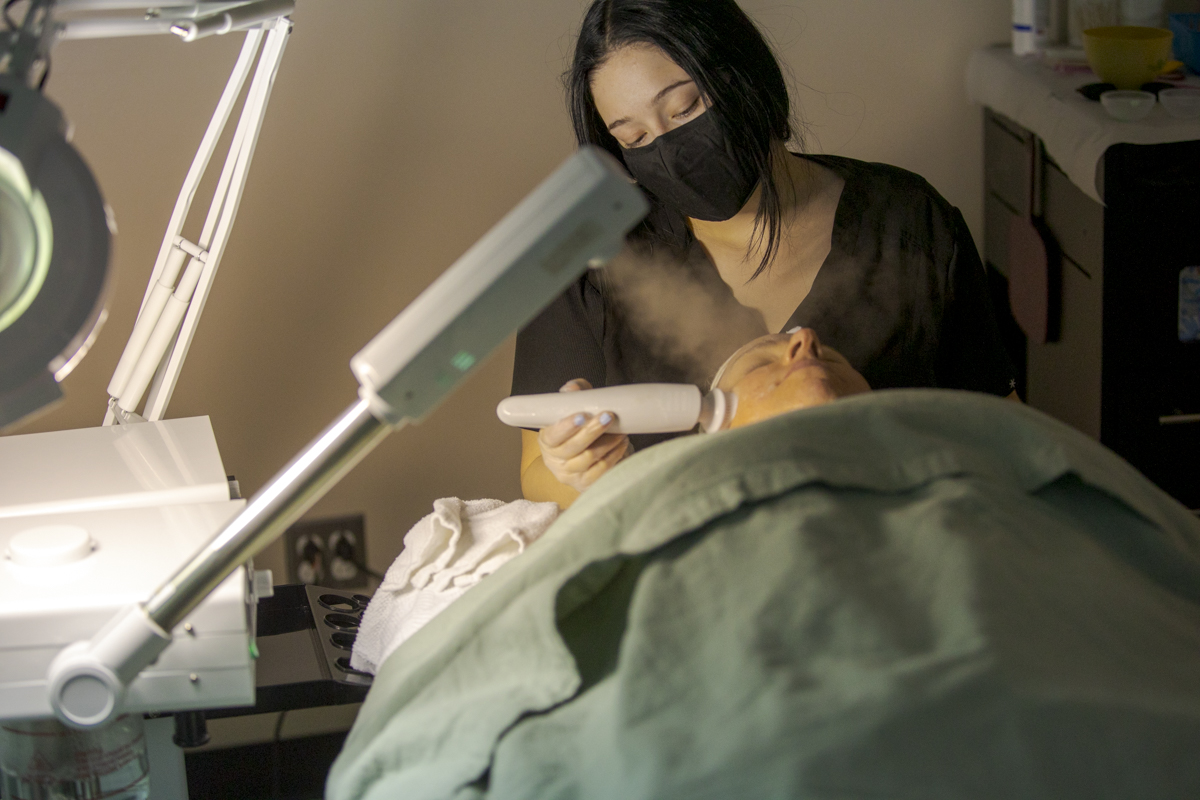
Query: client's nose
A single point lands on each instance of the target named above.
(803, 344)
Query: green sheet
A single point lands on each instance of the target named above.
(905, 594)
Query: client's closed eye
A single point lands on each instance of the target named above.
(757, 362)
(747, 366)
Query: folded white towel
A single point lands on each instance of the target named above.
(444, 554)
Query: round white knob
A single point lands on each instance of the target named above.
(50, 546)
(84, 692)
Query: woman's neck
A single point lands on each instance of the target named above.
(809, 198)
(797, 182)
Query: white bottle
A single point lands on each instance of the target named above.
(638, 407)
(1030, 26)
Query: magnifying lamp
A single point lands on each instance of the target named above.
(54, 248)
(54, 232)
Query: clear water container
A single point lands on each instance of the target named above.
(45, 760)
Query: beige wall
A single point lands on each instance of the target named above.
(398, 132)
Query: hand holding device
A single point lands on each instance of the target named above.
(580, 447)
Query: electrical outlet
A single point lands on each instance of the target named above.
(328, 552)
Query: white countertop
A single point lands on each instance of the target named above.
(1075, 131)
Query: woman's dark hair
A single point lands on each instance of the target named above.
(718, 46)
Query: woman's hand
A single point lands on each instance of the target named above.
(576, 450)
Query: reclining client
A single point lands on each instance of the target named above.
(902, 593)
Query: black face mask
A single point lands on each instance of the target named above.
(692, 170)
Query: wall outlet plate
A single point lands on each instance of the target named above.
(328, 552)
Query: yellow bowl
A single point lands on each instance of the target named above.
(1127, 55)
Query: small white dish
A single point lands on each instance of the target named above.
(1127, 106)
(1181, 103)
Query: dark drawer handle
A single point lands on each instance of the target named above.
(1178, 419)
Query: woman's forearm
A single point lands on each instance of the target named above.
(539, 485)
(537, 482)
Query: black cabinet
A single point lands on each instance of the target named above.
(1121, 369)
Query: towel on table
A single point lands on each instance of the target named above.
(444, 554)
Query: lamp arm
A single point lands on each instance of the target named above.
(234, 18)
(32, 41)
(187, 21)
(171, 253)
(175, 10)
(154, 355)
(576, 218)
(217, 227)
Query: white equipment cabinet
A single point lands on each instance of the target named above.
(114, 512)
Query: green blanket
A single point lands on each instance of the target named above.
(913, 593)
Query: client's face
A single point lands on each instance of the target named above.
(782, 372)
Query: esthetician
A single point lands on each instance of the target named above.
(688, 95)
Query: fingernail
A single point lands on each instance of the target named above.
(579, 420)
(605, 418)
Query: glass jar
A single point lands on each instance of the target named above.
(43, 759)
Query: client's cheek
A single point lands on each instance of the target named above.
(753, 402)
(769, 396)
(770, 392)
(851, 383)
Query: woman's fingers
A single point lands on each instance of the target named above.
(581, 473)
(558, 433)
(576, 385)
(598, 451)
(570, 436)
(583, 458)
(578, 449)
(610, 460)
(554, 436)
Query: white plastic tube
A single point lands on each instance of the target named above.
(236, 18)
(638, 407)
(146, 321)
(174, 307)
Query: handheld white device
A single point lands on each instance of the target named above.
(638, 407)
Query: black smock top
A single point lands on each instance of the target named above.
(902, 295)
